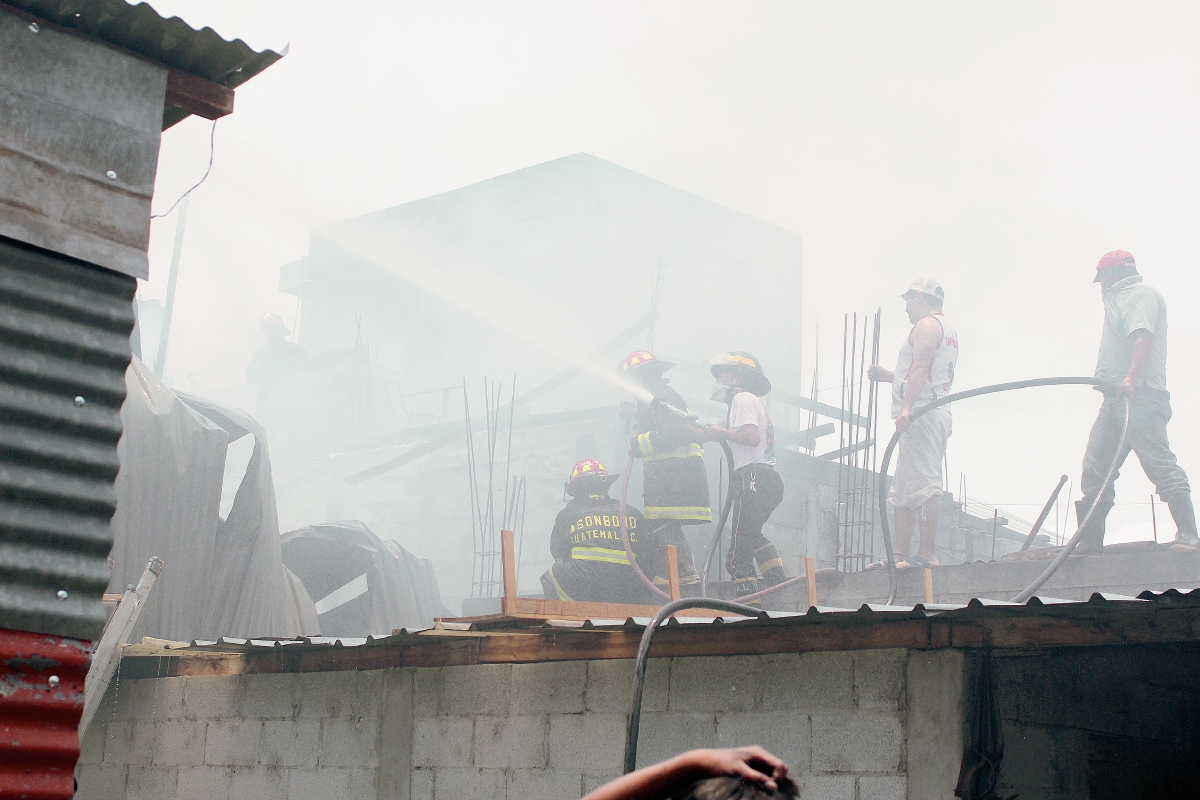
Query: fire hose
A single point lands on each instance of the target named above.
(1029, 590)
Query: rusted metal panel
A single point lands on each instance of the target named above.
(41, 698)
(64, 347)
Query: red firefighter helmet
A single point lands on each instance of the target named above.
(585, 469)
(644, 360)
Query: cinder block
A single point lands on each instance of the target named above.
(273, 696)
(162, 698)
(101, 781)
(592, 743)
(610, 684)
(178, 742)
(544, 784)
(128, 699)
(350, 742)
(806, 681)
(856, 741)
(510, 742)
(327, 695)
(786, 734)
(203, 783)
(827, 787)
(364, 783)
(369, 692)
(150, 783)
(714, 683)
(91, 748)
(211, 696)
(551, 687)
(879, 679)
(442, 742)
(427, 688)
(129, 743)
(593, 782)
(665, 735)
(468, 784)
(258, 783)
(287, 743)
(232, 742)
(476, 689)
(882, 787)
(325, 783)
(421, 784)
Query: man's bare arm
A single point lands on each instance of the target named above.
(745, 435)
(1143, 341)
(880, 374)
(926, 336)
(661, 780)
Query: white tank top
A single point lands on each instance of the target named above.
(941, 375)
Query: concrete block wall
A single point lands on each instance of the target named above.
(546, 730)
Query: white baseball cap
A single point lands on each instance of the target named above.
(927, 286)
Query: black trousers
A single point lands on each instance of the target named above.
(757, 491)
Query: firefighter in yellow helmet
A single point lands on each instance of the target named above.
(590, 562)
(674, 479)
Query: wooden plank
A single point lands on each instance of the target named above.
(529, 607)
(198, 96)
(673, 572)
(508, 604)
(928, 586)
(810, 580)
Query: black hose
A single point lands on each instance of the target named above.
(716, 537)
(643, 653)
(994, 388)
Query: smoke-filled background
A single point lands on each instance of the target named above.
(1001, 147)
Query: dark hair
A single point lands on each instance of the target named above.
(730, 788)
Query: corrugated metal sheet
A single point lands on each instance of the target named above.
(64, 347)
(41, 699)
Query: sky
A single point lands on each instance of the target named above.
(1001, 147)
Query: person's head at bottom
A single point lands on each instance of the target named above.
(741, 773)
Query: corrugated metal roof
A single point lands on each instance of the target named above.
(169, 41)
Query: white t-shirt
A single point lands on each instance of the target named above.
(746, 409)
(1130, 305)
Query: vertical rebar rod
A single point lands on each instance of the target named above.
(995, 522)
(164, 330)
(1153, 519)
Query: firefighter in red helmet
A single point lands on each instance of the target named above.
(675, 481)
(590, 562)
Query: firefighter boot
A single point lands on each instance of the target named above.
(770, 565)
(744, 586)
(1185, 519)
(1092, 540)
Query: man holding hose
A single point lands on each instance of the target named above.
(924, 373)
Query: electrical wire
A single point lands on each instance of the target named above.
(212, 135)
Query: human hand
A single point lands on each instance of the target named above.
(1128, 387)
(904, 421)
(752, 764)
(879, 374)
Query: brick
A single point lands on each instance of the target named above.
(879, 679)
(544, 784)
(468, 784)
(364, 783)
(272, 696)
(421, 785)
(476, 689)
(258, 783)
(859, 741)
(665, 735)
(129, 743)
(101, 781)
(211, 696)
(552, 687)
(510, 742)
(442, 742)
(882, 787)
(610, 683)
(714, 683)
(150, 783)
(806, 681)
(203, 783)
(327, 783)
(286, 743)
(349, 743)
(427, 688)
(593, 743)
(178, 742)
(787, 735)
(232, 742)
(828, 787)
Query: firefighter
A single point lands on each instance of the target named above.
(590, 562)
(675, 481)
(756, 487)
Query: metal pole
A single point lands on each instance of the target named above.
(1153, 519)
(995, 520)
(160, 360)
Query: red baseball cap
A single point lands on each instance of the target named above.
(1114, 258)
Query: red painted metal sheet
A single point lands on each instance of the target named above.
(41, 700)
